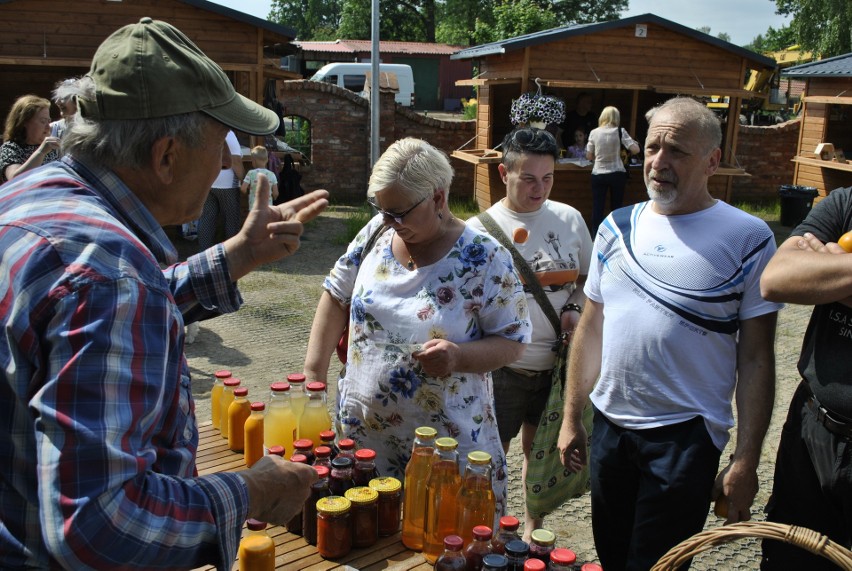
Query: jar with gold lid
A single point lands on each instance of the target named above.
(334, 530)
(390, 504)
(365, 515)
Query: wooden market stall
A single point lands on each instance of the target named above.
(633, 64)
(826, 120)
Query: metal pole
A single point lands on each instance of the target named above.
(375, 101)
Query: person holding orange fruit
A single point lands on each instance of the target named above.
(812, 487)
(553, 240)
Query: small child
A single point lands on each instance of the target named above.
(259, 158)
(578, 149)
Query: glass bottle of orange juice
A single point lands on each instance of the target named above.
(475, 499)
(224, 402)
(315, 418)
(279, 424)
(416, 474)
(257, 549)
(442, 488)
(238, 413)
(216, 395)
(298, 397)
(253, 450)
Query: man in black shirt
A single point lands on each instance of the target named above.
(581, 118)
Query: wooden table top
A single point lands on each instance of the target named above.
(292, 552)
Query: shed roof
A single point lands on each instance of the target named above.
(385, 47)
(837, 66)
(233, 14)
(554, 34)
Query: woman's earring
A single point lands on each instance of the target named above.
(440, 216)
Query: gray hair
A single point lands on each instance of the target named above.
(413, 166)
(128, 142)
(691, 111)
(65, 89)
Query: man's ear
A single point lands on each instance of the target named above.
(164, 154)
(715, 159)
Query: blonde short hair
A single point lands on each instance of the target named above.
(259, 153)
(413, 167)
(610, 116)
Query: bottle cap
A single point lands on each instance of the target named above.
(258, 406)
(333, 505)
(509, 523)
(543, 537)
(280, 387)
(365, 455)
(591, 567)
(223, 374)
(327, 435)
(447, 443)
(231, 382)
(322, 451)
(425, 432)
(277, 450)
(563, 556)
(453, 542)
(322, 471)
(299, 458)
(316, 387)
(342, 462)
(255, 524)
(385, 485)
(346, 444)
(361, 495)
(534, 565)
(479, 457)
(494, 561)
(304, 444)
(240, 391)
(482, 532)
(295, 378)
(517, 547)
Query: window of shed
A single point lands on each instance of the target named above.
(297, 134)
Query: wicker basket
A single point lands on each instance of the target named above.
(810, 540)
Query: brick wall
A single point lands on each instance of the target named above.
(340, 137)
(765, 153)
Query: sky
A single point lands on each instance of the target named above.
(741, 19)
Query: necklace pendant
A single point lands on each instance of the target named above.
(410, 263)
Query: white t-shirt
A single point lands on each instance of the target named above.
(558, 249)
(674, 289)
(606, 144)
(227, 177)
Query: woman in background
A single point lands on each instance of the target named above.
(608, 173)
(27, 141)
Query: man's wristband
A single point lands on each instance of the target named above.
(571, 307)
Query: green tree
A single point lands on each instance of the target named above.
(821, 26)
(457, 20)
(312, 19)
(586, 11)
(403, 20)
(724, 36)
(514, 18)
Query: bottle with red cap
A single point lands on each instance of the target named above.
(238, 412)
(477, 549)
(327, 439)
(533, 564)
(322, 456)
(277, 451)
(319, 490)
(562, 560)
(294, 526)
(298, 395)
(591, 567)
(280, 426)
(216, 396)
(253, 450)
(315, 417)
(452, 559)
(346, 448)
(225, 402)
(365, 467)
(257, 549)
(305, 446)
(508, 531)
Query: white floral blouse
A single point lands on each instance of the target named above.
(471, 293)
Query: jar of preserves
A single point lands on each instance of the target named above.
(533, 564)
(478, 548)
(341, 476)
(562, 560)
(541, 544)
(517, 552)
(346, 447)
(319, 490)
(452, 559)
(305, 446)
(334, 530)
(276, 450)
(322, 456)
(294, 526)
(365, 515)
(390, 504)
(508, 531)
(495, 562)
(365, 467)
(591, 567)
(327, 439)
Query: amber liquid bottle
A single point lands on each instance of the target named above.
(475, 500)
(238, 413)
(416, 473)
(442, 488)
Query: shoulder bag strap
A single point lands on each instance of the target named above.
(524, 269)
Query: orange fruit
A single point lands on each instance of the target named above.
(520, 235)
(845, 241)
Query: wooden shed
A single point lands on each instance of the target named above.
(826, 120)
(633, 64)
(46, 41)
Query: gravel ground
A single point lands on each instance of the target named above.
(268, 337)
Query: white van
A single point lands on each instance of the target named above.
(352, 76)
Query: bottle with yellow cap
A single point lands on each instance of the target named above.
(334, 530)
(442, 489)
(475, 500)
(257, 550)
(416, 474)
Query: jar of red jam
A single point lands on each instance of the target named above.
(365, 467)
(305, 446)
(541, 544)
(294, 526)
(390, 504)
(319, 490)
(322, 456)
(334, 528)
(365, 515)
(341, 475)
(327, 439)
(346, 447)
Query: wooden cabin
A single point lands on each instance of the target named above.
(826, 120)
(45, 42)
(633, 64)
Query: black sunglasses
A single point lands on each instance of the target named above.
(396, 217)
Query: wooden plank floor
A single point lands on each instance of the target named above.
(291, 551)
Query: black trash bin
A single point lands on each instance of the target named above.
(796, 202)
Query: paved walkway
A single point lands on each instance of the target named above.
(268, 337)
